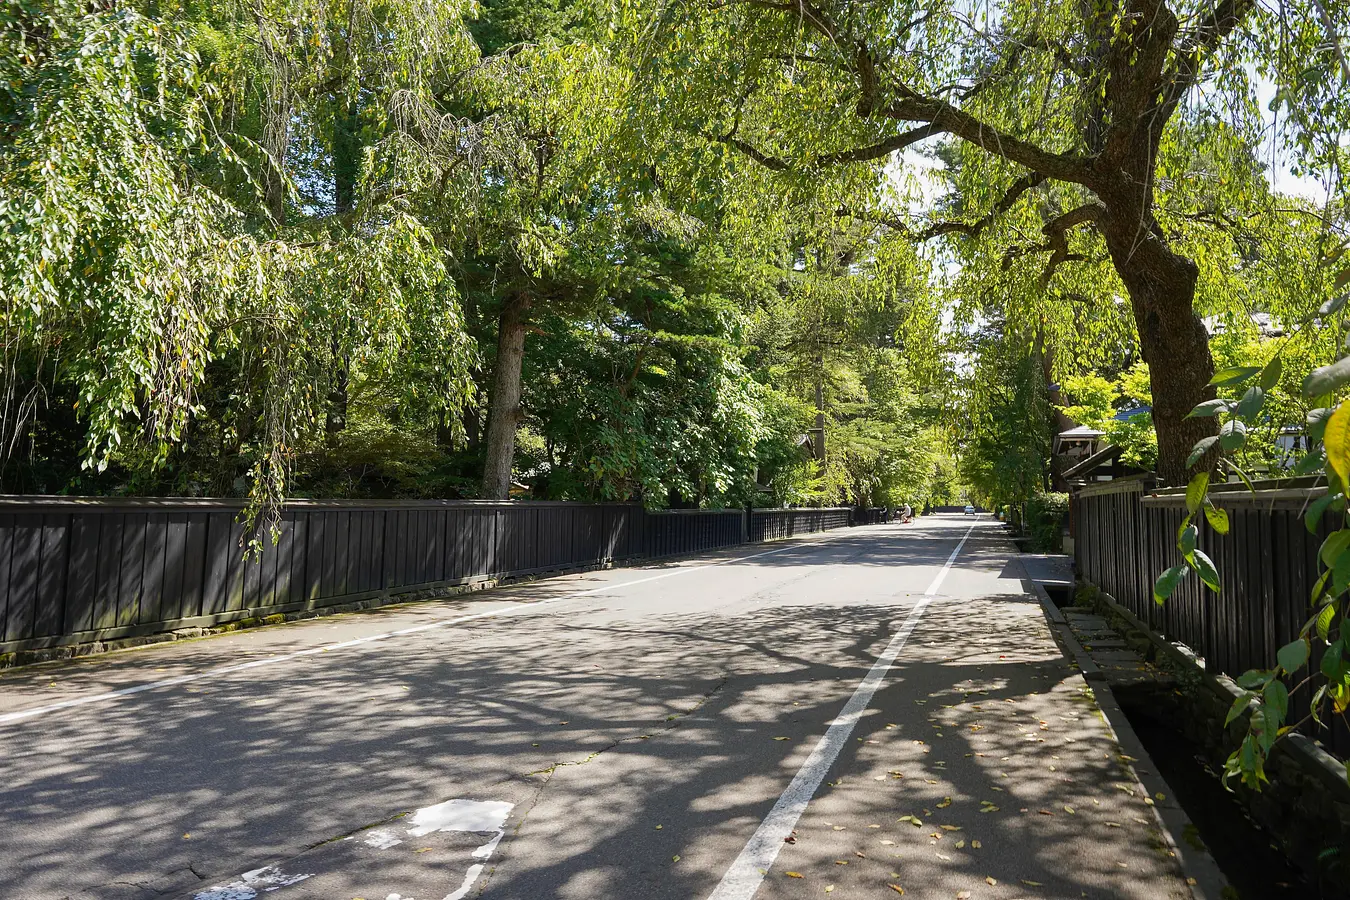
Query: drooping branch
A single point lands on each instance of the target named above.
(1202, 41)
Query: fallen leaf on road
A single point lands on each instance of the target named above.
(960, 844)
(780, 739)
(974, 845)
(1029, 882)
(913, 820)
(829, 888)
(946, 802)
(676, 857)
(990, 880)
(950, 827)
(794, 874)
(897, 888)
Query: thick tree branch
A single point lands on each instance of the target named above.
(936, 116)
(972, 229)
(1056, 232)
(945, 117)
(879, 150)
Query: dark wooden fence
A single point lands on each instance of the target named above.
(74, 570)
(1125, 536)
(773, 524)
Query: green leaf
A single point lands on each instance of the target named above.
(1270, 375)
(1316, 704)
(1195, 491)
(1237, 709)
(1336, 440)
(1313, 517)
(1232, 435)
(1334, 546)
(1204, 567)
(1255, 679)
(1218, 518)
(1325, 616)
(1327, 379)
(1200, 449)
(1251, 402)
(1234, 376)
(1333, 666)
(1277, 697)
(1208, 408)
(1313, 462)
(1293, 655)
(1319, 587)
(1242, 476)
(1340, 575)
(1186, 541)
(1317, 422)
(1167, 583)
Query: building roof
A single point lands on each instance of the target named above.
(1126, 414)
(1109, 453)
(1081, 432)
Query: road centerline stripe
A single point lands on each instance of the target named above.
(516, 609)
(743, 879)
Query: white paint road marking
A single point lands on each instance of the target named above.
(518, 609)
(465, 815)
(748, 871)
(250, 884)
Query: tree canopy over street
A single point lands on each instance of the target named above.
(686, 252)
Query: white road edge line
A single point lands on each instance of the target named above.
(517, 609)
(746, 874)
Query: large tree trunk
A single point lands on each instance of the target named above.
(1173, 340)
(504, 409)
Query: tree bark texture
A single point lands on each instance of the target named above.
(1172, 339)
(504, 409)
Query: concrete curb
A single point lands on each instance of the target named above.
(1202, 873)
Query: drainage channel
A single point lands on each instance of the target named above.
(1254, 867)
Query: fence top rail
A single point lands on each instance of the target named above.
(789, 509)
(1289, 492)
(36, 502)
(1130, 484)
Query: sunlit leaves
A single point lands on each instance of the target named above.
(1336, 440)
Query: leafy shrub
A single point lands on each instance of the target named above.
(1045, 521)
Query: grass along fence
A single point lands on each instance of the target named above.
(80, 570)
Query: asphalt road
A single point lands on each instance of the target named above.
(635, 733)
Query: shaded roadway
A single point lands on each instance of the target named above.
(641, 733)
